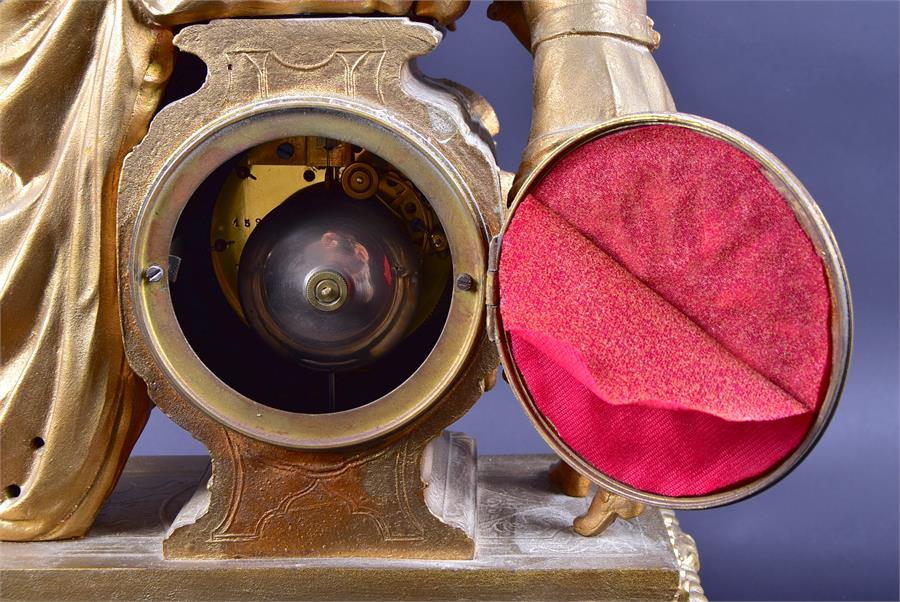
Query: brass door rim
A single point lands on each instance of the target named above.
(816, 228)
(191, 163)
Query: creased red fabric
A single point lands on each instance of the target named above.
(668, 313)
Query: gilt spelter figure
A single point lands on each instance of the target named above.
(314, 264)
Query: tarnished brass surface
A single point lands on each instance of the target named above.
(364, 485)
(525, 550)
(78, 84)
(187, 140)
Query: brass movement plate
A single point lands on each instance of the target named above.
(525, 550)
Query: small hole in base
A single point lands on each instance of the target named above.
(37, 443)
(11, 491)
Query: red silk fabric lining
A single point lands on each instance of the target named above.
(666, 310)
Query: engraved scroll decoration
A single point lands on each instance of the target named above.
(322, 488)
(358, 68)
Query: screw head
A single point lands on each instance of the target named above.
(153, 273)
(438, 241)
(465, 282)
(285, 151)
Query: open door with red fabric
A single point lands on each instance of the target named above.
(668, 311)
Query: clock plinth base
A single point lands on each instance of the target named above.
(403, 499)
(525, 549)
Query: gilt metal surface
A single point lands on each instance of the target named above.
(100, 76)
(172, 13)
(240, 107)
(339, 78)
(80, 81)
(78, 84)
(525, 551)
(592, 62)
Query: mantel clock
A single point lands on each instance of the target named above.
(314, 264)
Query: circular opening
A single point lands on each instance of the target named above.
(37, 443)
(722, 343)
(11, 491)
(182, 166)
(313, 276)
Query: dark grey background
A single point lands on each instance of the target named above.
(816, 83)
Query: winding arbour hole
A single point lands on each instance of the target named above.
(344, 212)
(37, 443)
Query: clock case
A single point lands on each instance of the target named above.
(380, 480)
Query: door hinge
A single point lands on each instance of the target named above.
(492, 289)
